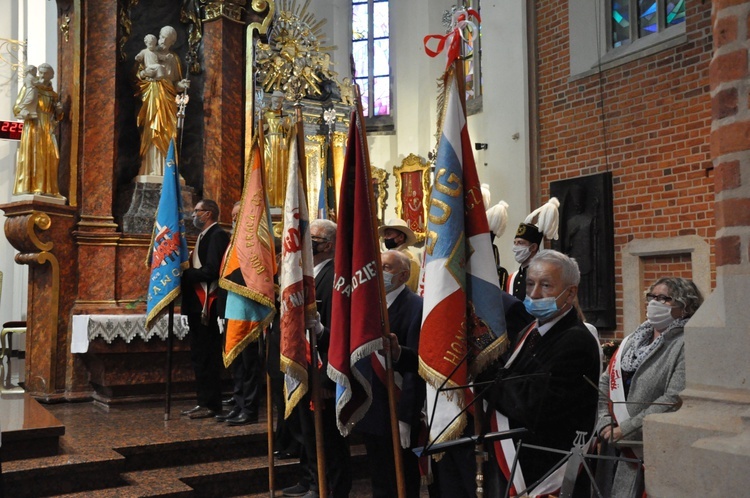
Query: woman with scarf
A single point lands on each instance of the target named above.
(646, 375)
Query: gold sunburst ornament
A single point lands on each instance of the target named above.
(295, 60)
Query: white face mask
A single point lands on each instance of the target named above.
(659, 315)
(521, 253)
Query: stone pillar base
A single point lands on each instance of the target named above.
(701, 450)
(143, 199)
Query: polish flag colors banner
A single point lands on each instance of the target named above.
(356, 322)
(463, 322)
(249, 266)
(297, 285)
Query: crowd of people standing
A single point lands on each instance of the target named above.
(544, 384)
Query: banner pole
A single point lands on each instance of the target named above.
(170, 336)
(390, 383)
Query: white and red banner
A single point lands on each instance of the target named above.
(463, 322)
(297, 284)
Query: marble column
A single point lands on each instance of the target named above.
(224, 64)
(96, 232)
(703, 449)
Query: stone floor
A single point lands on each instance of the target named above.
(131, 450)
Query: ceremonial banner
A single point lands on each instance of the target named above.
(356, 324)
(168, 254)
(297, 285)
(249, 265)
(463, 322)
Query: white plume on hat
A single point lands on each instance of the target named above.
(548, 218)
(486, 195)
(497, 218)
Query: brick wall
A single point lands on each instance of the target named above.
(652, 131)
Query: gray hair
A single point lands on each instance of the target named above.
(403, 260)
(211, 206)
(327, 227)
(683, 291)
(571, 275)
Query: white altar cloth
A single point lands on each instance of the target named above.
(127, 327)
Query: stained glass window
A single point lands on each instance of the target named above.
(652, 17)
(620, 22)
(472, 53)
(371, 52)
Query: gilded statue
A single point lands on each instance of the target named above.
(159, 81)
(278, 128)
(38, 156)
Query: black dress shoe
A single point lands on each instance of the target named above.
(296, 490)
(223, 417)
(192, 410)
(242, 419)
(284, 455)
(228, 401)
(203, 413)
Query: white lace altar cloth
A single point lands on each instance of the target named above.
(110, 327)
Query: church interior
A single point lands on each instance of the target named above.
(639, 129)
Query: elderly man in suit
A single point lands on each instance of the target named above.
(405, 319)
(199, 292)
(338, 461)
(543, 387)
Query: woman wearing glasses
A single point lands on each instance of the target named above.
(645, 376)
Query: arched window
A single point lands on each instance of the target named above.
(371, 52)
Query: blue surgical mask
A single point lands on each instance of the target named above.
(388, 281)
(543, 308)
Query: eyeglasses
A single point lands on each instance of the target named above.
(199, 210)
(658, 297)
(318, 239)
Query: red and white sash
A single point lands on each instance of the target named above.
(618, 407)
(206, 291)
(509, 282)
(505, 450)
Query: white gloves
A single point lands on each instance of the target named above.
(404, 431)
(313, 323)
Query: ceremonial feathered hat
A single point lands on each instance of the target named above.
(547, 221)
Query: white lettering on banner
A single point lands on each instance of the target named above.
(293, 300)
(361, 276)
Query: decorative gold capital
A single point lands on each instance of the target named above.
(231, 9)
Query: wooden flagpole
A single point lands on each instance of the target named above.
(315, 377)
(261, 141)
(479, 453)
(390, 383)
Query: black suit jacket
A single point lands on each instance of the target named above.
(405, 320)
(545, 391)
(516, 316)
(324, 298)
(210, 253)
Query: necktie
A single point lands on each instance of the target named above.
(533, 339)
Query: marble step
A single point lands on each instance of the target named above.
(28, 429)
(236, 477)
(64, 473)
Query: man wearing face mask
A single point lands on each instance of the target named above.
(338, 460)
(542, 386)
(199, 293)
(542, 222)
(405, 319)
(398, 236)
